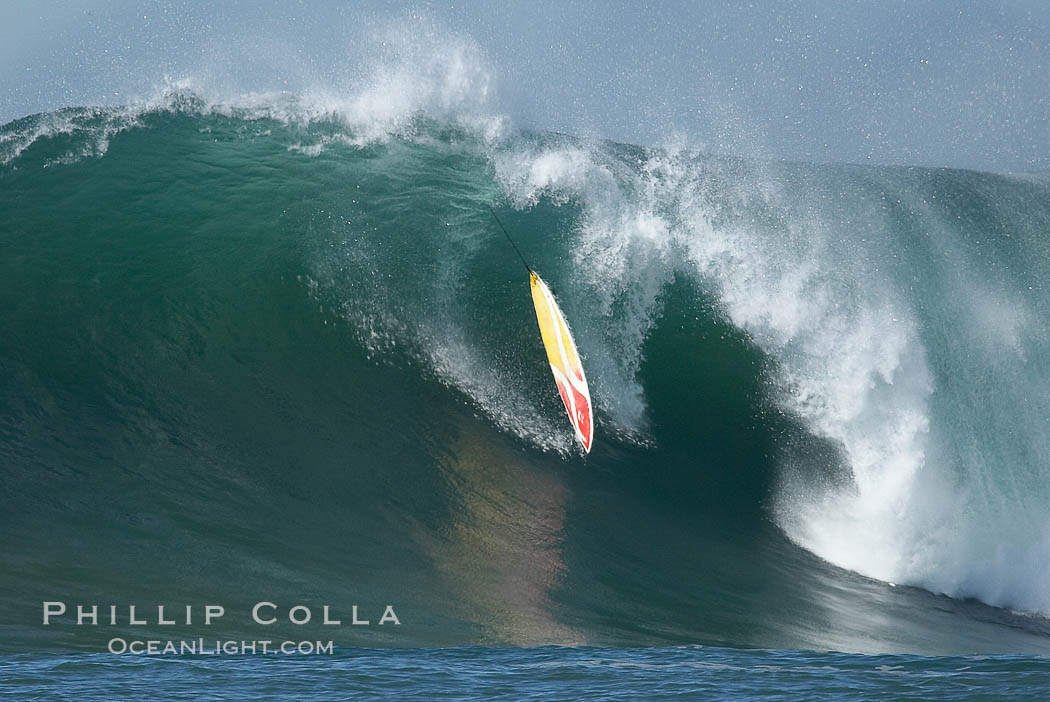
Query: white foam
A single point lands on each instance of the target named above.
(923, 507)
(416, 72)
(442, 76)
(95, 127)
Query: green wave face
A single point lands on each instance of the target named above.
(278, 353)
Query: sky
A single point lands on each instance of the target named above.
(944, 83)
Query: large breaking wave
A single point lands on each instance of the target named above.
(279, 334)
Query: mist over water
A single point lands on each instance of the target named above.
(910, 83)
(811, 381)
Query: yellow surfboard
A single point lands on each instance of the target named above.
(564, 360)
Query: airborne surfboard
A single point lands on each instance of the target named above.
(561, 352)
(564, 360)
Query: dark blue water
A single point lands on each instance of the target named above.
(547, 673)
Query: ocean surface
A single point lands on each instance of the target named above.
(546, 673)
(278, 351)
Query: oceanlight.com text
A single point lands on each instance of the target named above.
(215, 647)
